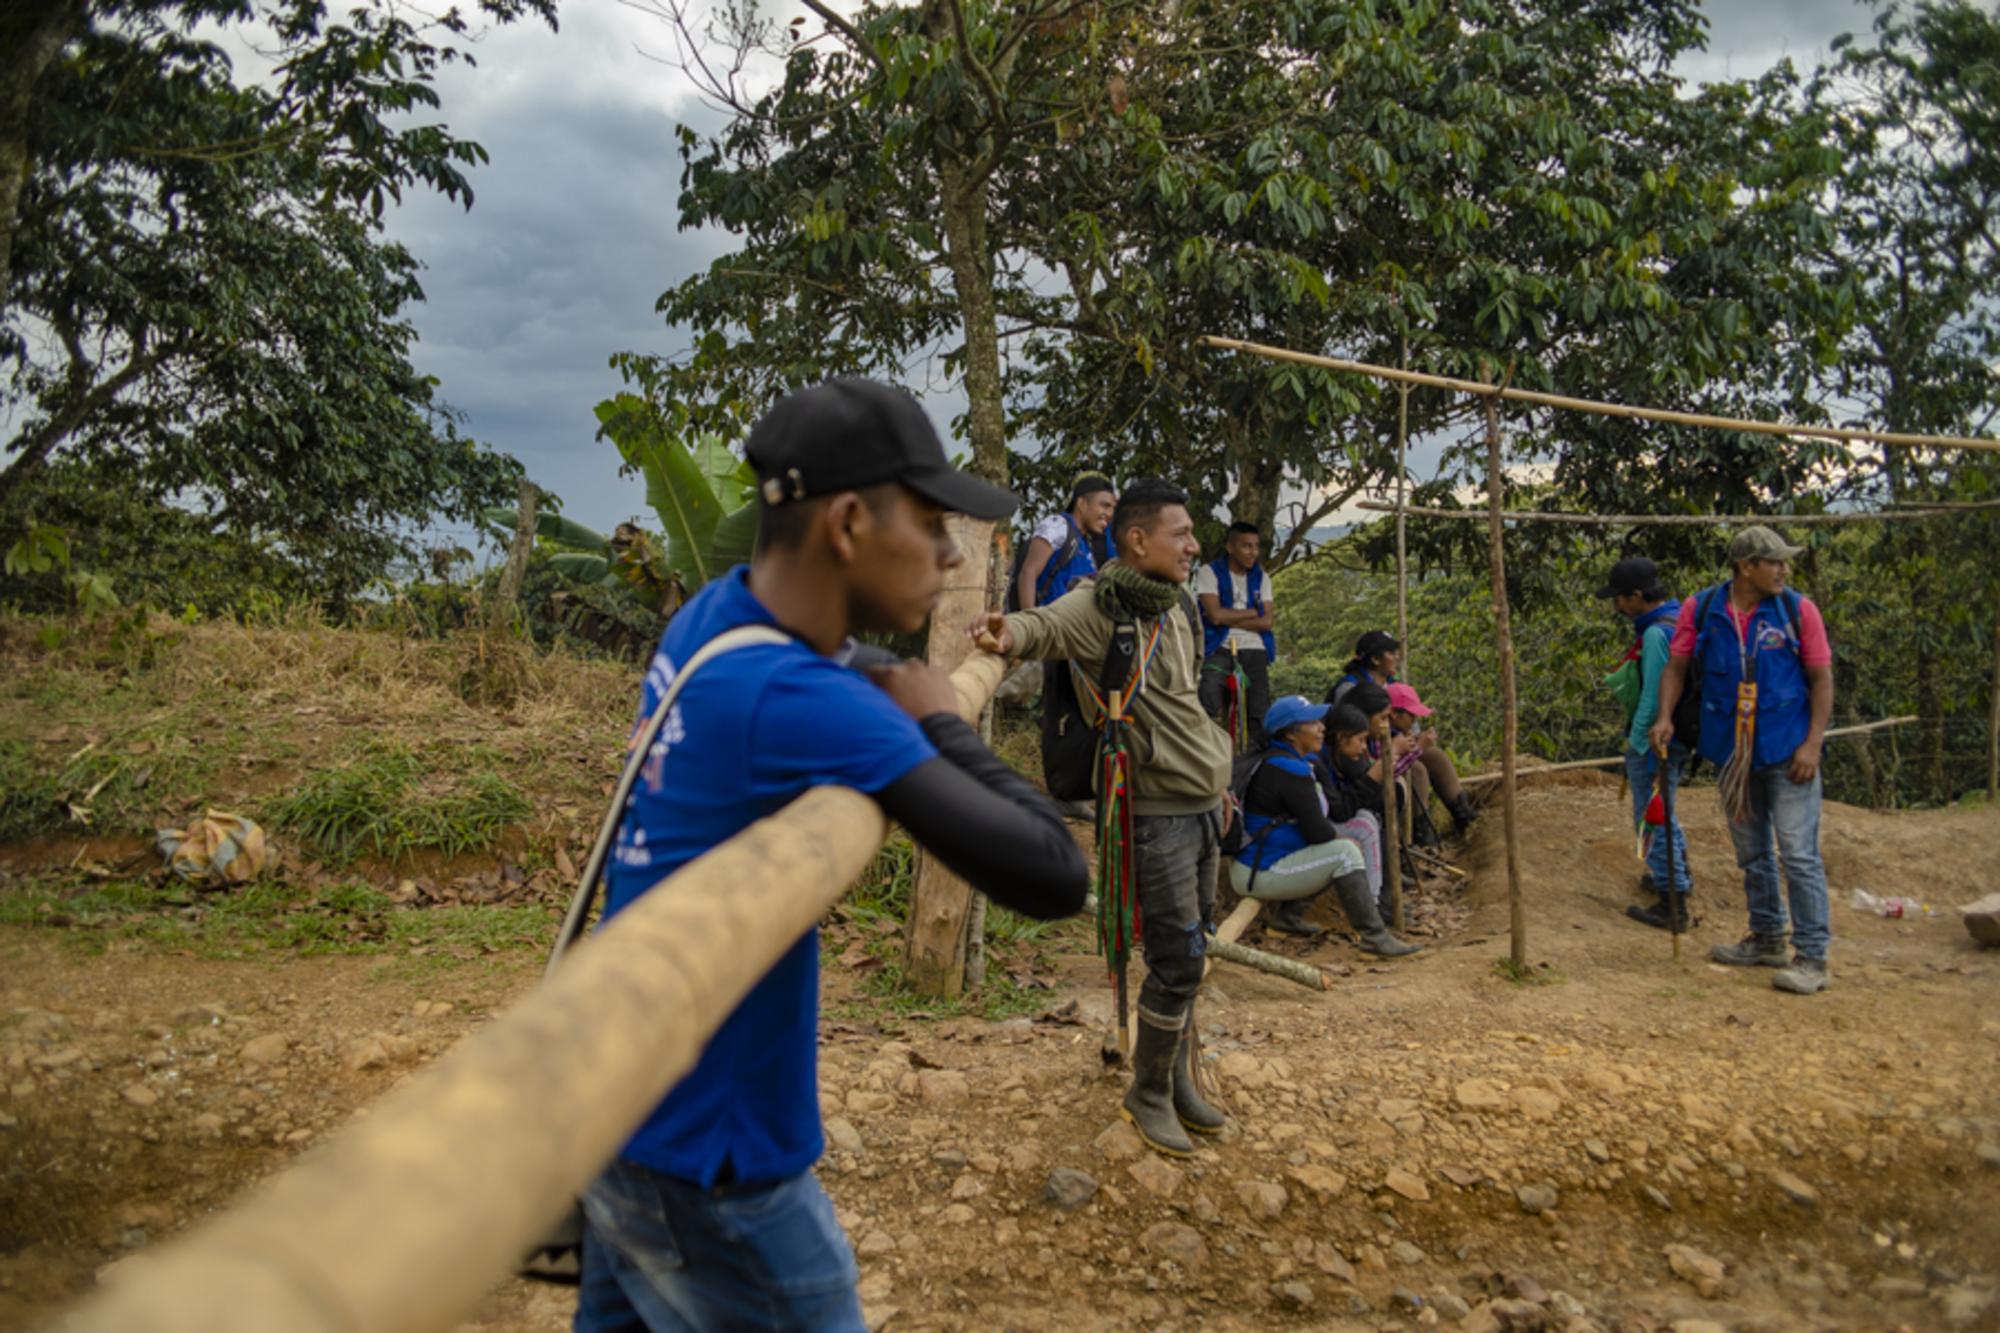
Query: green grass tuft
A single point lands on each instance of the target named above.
(390, 802)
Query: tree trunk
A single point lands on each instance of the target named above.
(502, 615)
(1258, 479)
(30, 38)
(941, 901)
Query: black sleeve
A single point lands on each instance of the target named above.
(992, 827)
(1300, 796)
(1342, 801)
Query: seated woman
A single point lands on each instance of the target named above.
(1351, 761)
(1406, 711)
(1291, 849)
(1377, 656)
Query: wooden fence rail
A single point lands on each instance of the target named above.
(406, 1217)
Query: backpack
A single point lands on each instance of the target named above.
(1069, 741)
(1061, 556)
(1241, 771)
(1687, 709)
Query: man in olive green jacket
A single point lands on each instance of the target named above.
(1180, 768)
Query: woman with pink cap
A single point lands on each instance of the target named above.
(1406, 707)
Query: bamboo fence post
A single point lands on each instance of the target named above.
(1860, 729)
(1680, 520)
(1402, 550)
(1993, 719)
(403, 1219)
(1745, 425)
(1503, 635)
(1392, 833)
(941, 902)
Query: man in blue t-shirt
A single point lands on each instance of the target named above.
(710, 1218)
(1235, 597)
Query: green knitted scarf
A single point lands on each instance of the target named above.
(1123, 593)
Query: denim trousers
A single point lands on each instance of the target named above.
(661, 1255)
(1790, 811)
(1642, 768)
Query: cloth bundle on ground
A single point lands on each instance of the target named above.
(218, 849)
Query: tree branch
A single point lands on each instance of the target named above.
(31, 448)
(849, 31)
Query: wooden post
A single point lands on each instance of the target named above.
(1392, 833)
(516, 569)
(1993, 719)
(402, 1220)
(940, 902)
(1510, 730)
(1402, 552)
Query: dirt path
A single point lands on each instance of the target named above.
(1633, 1144)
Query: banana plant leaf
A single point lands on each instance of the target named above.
(581, 568)
(548, 525)
(730, 477)
(677, 486)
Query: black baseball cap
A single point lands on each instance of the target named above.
(850, 433)
(1375, 643)
(1635, 573)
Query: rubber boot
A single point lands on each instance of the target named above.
(1149, 1103)
(1359, 904)
(1669, 913)
(1463, 814)
(1289, 918)
(1195, 1111)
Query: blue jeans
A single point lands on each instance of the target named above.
(1641, 768)
(663, 1255)
(1791, 811)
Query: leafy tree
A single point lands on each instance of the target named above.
(198, 301)
(1917, 117)
(1497, 188)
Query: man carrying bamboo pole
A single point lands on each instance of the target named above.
(710, 1217)
(1766, 693)
(1178, 766)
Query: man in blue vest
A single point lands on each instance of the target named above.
(1068, 546)
(710, 1216)
(1236, 613)
(1766, 673)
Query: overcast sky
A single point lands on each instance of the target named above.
(574, 233)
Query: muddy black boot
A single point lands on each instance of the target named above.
(1463, 813)
(1195, 1111)
(1362, 914)
(1669, 913)
(1149, 1103)
(1289, 918)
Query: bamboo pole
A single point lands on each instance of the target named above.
(402, 1220)
(1402, 549)
(1840, 433)
(1392, 837)
(1664, 520)
(1993, 720)
(1291, 969)
(1503, 635)
(1569, 764)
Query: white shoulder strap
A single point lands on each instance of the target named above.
(743, 636)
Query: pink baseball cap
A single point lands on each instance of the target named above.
(1405, 697)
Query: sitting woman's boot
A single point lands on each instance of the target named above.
(1359, 904)
(1289, 918)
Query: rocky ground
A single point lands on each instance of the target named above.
(1622, 1141)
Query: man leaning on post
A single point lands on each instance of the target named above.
(1766, 694)
(710, 1217)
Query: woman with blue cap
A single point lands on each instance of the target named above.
(1291, 851)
